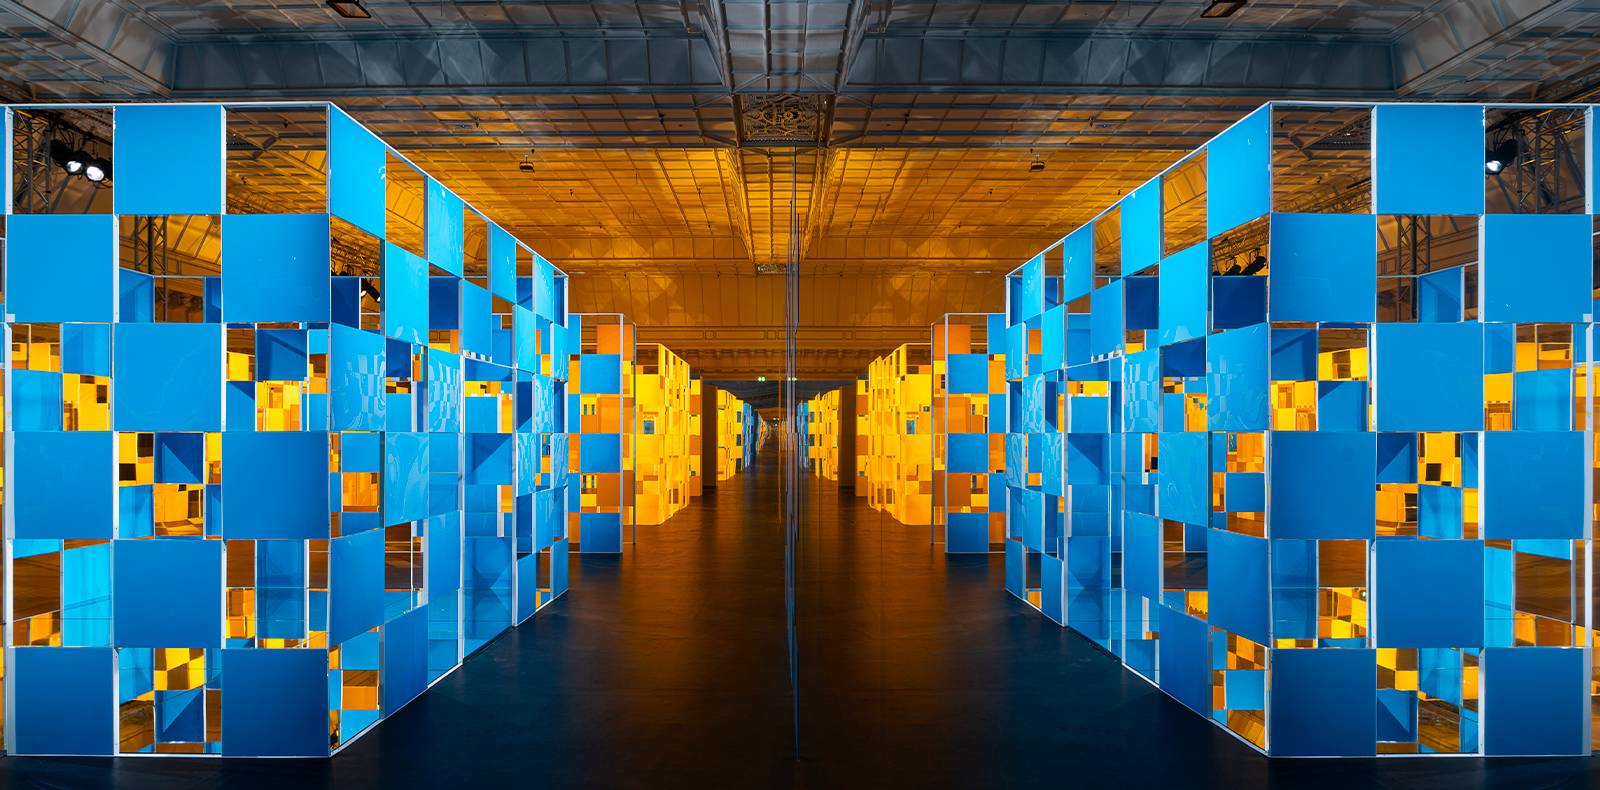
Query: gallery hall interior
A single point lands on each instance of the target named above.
(799, 393)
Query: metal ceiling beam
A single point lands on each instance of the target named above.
(709, 23)
(1462, 31)
(638, 62)
(107, 32)
(1124, 63)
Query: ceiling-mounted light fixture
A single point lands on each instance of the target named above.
(1037, 166)
(1221, 9)
(66, 158)
(350, 9)
(526, 165)
(97, 170)
(1502, 154)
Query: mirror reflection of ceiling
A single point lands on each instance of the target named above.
(668, 155)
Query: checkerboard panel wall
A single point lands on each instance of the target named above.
(1302, 431)
(969, 412)
(281, 429)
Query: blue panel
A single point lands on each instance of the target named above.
(86, 349)
(526, 326)
(477, 321)
(168, 377)
(1535, 701)
(490, 458)
(558, 568)
(1016, 558)
(1236, 381)
(968, 453)
(405, 295)
(444, 556)
(1429, 377)
(1185, 481)
(405, 477)
(1052, 340)
(1239, 173)
(1105, 320)
(360, 452)
(600, 374)
(1184, 302)
(1533, 485)
(444, 227)
(1324, 267)
(167, 592)
(1439, 511)
(1542, 400)
(1537, 268)
(136, 293)
(502, 263)
(1439, 296)
(1237, 570)
(444, 389)
(1322, 484)
(276, 485)
(275, 267)
(355, 584)
(356, 379)
(356, 179)
(1050, 599)
(180, 716)
(1245, 492)
(35, 400)
(968, 374)
(1077, 251)
(543, 288)
(1409, 611)
(1141, 555)
(1142, 311)
(275, 702)
(405, 665)
(180, 458)
(167, 159)
(967, 533)
(599, 452)
(1185, 665)
(1028, 301)
(600, 533)
(281, 355)
(65, 484)
(1141, 227)
(1322, 702)
(61, 267)
(1141, 385)
(1428, 159)
(65, 701)
(1342, 406)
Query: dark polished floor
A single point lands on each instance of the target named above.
(666, 668)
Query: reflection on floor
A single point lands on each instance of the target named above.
(666, 668)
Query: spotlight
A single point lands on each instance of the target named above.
(1256, 264)
(350, 9)
(1037, 166)
(97, 170)
(65, 157)
(1220, 9)
(1503, 153)
(370, 290)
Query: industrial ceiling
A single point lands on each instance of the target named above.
(678, 148)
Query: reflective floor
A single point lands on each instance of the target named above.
(666, 667)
